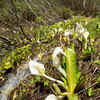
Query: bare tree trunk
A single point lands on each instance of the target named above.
(84, 4)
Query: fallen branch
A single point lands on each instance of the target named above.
(88, 87)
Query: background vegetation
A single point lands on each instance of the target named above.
(23, 23)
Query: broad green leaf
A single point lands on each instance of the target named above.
(80, 84)
(73, 97)
(72, 70)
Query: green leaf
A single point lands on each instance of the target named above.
(73, 97)
(98, 79)
(46, 83)
(73, 72)
(72, 46)
(84, 41)
(80, 84)
(64, 63)
(97, 62)
(64, 80)
(38, 78)
(89, 50)
(90, 92)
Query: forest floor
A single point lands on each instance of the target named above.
(33, 88)
(37, 90)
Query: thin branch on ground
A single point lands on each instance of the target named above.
(88, 87)
(15, 12)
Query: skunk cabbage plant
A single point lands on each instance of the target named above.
(81, 31)
(70, 74)
(86, 35)
(79, 28)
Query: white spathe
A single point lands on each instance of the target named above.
(55, 30)
(33, 67)
(41, 71)
(79, 28)
(86, 22)
(58, 50)
(56, 61)
(71, 31)
(86, 34)
(60, 30)
(53, 97)
(68, 32)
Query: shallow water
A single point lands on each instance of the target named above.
(14, 79)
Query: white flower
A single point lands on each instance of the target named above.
(53, 97)
(71, 31)
(56, 61)
(60, 30)
(66, 21)
(55, 30)
(31, 28)
(34, 69)
(79, 28)
(86, 34)
(14, 31)
(66, 33)
(38, 69)
(92, 40)
(59, 23)
(38, 41)
(86, 22)
(58, 50)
